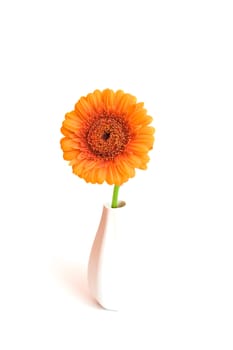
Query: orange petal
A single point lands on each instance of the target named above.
(95, 100)
(70, 155)
(108, 100)
(66, 132)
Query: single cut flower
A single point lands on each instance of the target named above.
(107, 136)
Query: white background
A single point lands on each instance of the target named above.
(177, 57)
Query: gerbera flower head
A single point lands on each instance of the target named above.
(107, 136)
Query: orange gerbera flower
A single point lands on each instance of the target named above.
(107, 136)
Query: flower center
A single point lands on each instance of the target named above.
(108, 136)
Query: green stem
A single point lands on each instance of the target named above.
(115, 196)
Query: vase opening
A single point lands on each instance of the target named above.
(120, 204)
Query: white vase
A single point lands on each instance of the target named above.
(104, 268)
